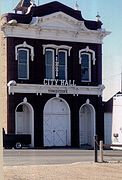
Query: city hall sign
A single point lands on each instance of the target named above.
(58, 82)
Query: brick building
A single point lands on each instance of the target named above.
(53, 71)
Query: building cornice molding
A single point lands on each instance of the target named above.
(55, 34)
(57, 26)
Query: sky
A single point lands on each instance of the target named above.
(111, 17)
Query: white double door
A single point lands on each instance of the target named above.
(56, 124)
(55, 130)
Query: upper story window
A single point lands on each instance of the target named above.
(85, 67)
(49, 64)
(22, 54)
(62, 64)
(23, 63)
(56, 61)
(86, 56)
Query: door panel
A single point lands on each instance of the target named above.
(59, 138)
(86, 126)
(20, 122)
(23, 124)
(55, 130)
(48, 141)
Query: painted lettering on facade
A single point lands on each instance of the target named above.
(59, 82)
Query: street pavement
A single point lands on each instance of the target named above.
(13, 157)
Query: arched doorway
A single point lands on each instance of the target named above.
(87, 125)
(56, 125)
(24, 120)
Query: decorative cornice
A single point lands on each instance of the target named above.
(59, 19)
(54, 34)
(57, 26)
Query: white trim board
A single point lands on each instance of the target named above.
(55, 89)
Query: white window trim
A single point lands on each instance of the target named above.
(53, 65)
(53, 46)
(24, 45)
(87, 50)
(27, 63)
(65, 51)
(89, 66)
(61, 48)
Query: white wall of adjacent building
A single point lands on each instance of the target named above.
(113, 123)
(107, 127)
(117, 120)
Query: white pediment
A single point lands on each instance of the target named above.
(56, 26)
(59, 21)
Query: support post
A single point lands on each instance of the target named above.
(95, 148)
(101, 151)
(1, 153)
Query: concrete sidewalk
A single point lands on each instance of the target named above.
(76, 171)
